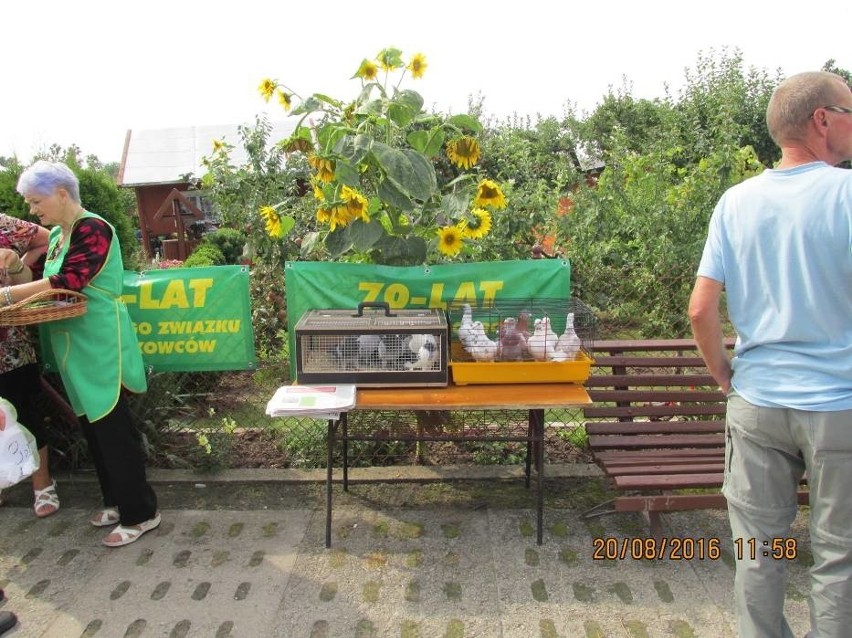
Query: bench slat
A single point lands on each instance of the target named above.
(669, 481)
(681, 502)
(656, 456)
(638, 361)
(649, 380)
(650, 345)
(655, 427)
(653, 410)
(688, 468)
(661, 395)
(656, 441)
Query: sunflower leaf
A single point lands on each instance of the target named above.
(309, 242)
(337, 242)
(427, 142)
(390, 194)
(409, 171)
(364, 235)
(402, 250)
(287, 224)
(409, 98)
(346, 174)
(466, 123)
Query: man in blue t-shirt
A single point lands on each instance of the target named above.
(780, 246)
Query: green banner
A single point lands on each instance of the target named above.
(192, 319)
(312, 285)
(189, 319)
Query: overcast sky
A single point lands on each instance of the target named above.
(85, 72)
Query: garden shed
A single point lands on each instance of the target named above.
(163, 167)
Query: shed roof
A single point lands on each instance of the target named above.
(168, 155)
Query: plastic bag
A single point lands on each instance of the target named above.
(18, 452)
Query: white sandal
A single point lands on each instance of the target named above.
(46, 498)
(105, 517)
(131, 533)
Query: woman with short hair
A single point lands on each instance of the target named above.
(97, 353)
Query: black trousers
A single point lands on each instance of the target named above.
(120, 464)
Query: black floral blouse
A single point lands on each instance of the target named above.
(16, 345)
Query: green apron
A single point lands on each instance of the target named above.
(97, 352)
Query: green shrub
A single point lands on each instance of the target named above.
(229, 241)
(205, 255)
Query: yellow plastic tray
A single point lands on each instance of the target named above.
(482, 372)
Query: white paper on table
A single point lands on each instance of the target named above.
(319, 401)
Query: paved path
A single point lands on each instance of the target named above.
(411, 571)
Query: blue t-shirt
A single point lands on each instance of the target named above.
(781, 243)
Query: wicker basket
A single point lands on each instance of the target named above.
(48, 305)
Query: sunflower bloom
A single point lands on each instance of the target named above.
(318, 195)
(284, 99)
(266, 89)
(417, 65)
(488, 194)
(218, 146)
(356, 204)
(464, 151)
(478, 225)
(367, 71)
(273, 222)
(449, 240)
(324, 215)
(324, 168)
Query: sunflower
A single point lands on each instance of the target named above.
(488, 193)
(477, 225)
(266, 89)
(273, 222)
(367, 71)
(463, 151)
(218, 146)
(324, 168)
(284, 99)
(356, 204)
(417, 65)
(318, 194)
(449, 240)
(324, 215)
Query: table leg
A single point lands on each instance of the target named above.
(530, 448)
(344, 435)
(328, 476)
(537, 418)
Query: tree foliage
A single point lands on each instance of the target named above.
(99, 194)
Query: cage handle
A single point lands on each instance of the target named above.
(374, 304)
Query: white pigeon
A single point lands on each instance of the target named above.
(426, 348)
(569, 343)
(465, 326)
(542, 343)
(481, 348)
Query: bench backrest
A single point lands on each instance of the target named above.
(645, 388)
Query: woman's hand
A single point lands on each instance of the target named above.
(12, 268)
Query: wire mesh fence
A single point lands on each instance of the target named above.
(217, 420)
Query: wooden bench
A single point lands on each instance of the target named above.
(658, 427)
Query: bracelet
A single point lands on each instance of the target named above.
(7, 296)
(18, 271)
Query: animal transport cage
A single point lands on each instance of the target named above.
(532, 340)
(373, 346)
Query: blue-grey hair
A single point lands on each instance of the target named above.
(44, 178)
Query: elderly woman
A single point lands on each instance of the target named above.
(24, 243)
(97, 353)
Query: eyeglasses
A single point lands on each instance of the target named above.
(838, 109)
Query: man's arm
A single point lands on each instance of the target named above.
(707, 329)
